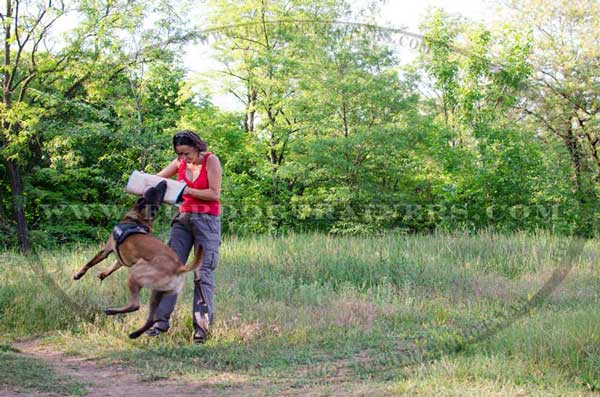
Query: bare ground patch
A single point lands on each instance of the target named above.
(116, 380)
(112, 380)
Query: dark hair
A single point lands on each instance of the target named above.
(189, 138)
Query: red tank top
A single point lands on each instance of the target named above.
(192, 204)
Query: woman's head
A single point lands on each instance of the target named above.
(188, 145)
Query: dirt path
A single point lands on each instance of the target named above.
(116, 380)
(112, 380)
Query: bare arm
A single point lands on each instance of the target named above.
(170, 169)
(214, 174)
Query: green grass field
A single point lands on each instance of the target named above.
(327, 315)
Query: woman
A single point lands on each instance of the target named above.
(197, 223)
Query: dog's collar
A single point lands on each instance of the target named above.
(123, 230)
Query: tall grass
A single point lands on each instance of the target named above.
(313, 303)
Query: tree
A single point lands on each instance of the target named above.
(563, 98)
(477, 77)
(263, 69)
(36, 77)
(24, 27)
(306, 82)
(357, 129)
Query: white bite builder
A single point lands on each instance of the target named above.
(139, 182)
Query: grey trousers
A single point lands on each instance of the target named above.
(187, 230)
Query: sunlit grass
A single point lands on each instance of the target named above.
(309, 310)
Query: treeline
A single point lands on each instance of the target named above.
(489, 127)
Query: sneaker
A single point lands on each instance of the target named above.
(154, 331)
(200, 336)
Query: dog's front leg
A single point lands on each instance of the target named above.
(100, 256)
(110, 270)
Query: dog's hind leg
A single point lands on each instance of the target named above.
(154, 302)
(100, 256)
(134, 300)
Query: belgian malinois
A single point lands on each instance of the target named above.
(152, 263)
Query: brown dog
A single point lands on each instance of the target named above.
(152, 263)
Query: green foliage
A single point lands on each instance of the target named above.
(334, 135)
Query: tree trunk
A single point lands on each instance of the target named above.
(594, 144)
(570, 141)
(345, 120)
(584, 191)
(4, 223)
(14, 177)
(18, 202)
(250, 110)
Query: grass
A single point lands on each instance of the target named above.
(25, 375)
(324, 314)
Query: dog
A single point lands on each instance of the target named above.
(152, 263)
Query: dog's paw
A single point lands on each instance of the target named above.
(135, 335)
(110, 312)
(101, 277)
(77, 276)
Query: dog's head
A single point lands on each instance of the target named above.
(148, 205)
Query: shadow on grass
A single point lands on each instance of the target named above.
(25, 374)
(278, 355)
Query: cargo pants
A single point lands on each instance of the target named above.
(187, 230)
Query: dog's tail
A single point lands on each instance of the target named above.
(198, 256)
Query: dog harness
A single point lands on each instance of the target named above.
(124, 230)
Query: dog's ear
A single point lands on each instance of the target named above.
(146, 209)
(162, 190)
(140, 204)
(156, 194)
(150, 203)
